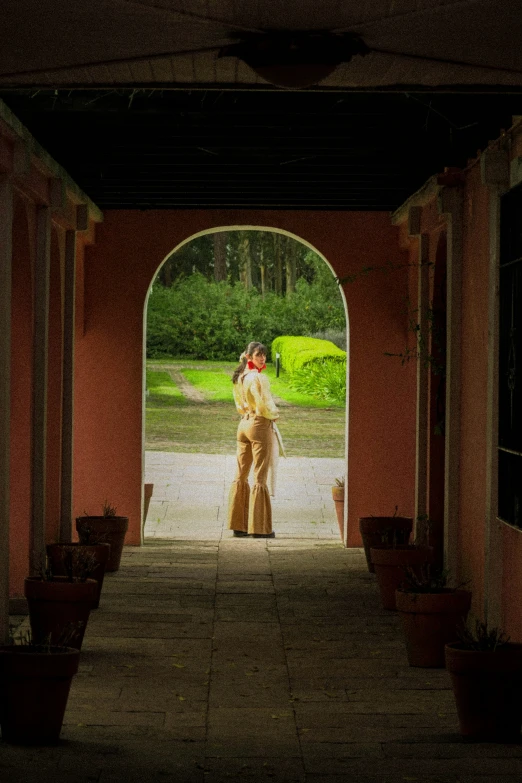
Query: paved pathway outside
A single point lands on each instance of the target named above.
(253, 660)
(191, 495)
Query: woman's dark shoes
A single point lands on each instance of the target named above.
(241, 533)
(263, 535)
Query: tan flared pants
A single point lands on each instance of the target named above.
(252, 511)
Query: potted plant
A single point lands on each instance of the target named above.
(391, 564)
(107, 528)
(486, 677)
(34, 681)
(63, 560)
(57, 603)
(338, 498)
(430, 612)
(384, 531)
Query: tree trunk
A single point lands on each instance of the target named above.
(278, 265)
(165, 274)
(291, 264)
(262, 269)
(245, 261)
(220, 256)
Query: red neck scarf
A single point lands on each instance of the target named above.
(252, 366)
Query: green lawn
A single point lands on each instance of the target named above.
(216, 384)
(174, 423)
(160, 384)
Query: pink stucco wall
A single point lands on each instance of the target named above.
(117, 272)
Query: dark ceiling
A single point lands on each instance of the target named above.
(182, 149)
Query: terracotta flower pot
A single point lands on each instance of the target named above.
(35, 688)
(390, 568)
(488, 691)
(55, 605)
(383, 531)
(109, 530)
(147, 494)
(99, 551)
(430, 621)
(338, 498)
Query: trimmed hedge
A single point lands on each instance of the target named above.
(298, 352)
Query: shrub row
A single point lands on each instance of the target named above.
(325, 380)
(316, 367)
(206, 320)
(298, 352)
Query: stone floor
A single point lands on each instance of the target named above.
(215, 659)
(253, 660)
(190, 496)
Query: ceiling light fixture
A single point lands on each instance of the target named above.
(295, 59)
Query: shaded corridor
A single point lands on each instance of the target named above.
(253, 660)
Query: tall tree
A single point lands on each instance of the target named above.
(279, 240)
(245, 262)
(262, 266)
(291, 265)
(220, 256)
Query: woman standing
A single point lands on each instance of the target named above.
(250, 513)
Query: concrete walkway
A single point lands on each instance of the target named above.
(190, 496)
(253, 660)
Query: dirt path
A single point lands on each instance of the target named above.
(186, 388)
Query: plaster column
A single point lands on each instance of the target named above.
(39, 424)
(66, 497)
(494, 166)
(450, 204)
(6, 261)
(422, 336)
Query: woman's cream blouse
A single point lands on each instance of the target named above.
(252, 395)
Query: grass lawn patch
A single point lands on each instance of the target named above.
(160, 384)
(175, 423)
(216, 385)
(280, 388)
(213, 379)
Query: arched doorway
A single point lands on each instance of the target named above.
(174, 475)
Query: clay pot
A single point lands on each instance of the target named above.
(100, 551)
(107, 530)
(391, 564)
(383, 531)
(35, 688)
(487, 686)
(147, 494)
(430, 621)
(55, 605)
(338, 498)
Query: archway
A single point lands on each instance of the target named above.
(160, 518)
(119, 269)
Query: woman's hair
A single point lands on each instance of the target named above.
(250, 350)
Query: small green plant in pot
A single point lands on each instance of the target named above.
(391, 562)
(65, 559)
(35, 680)
(59, 602)
(431, 612)
(486, 676)
(107, 528)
